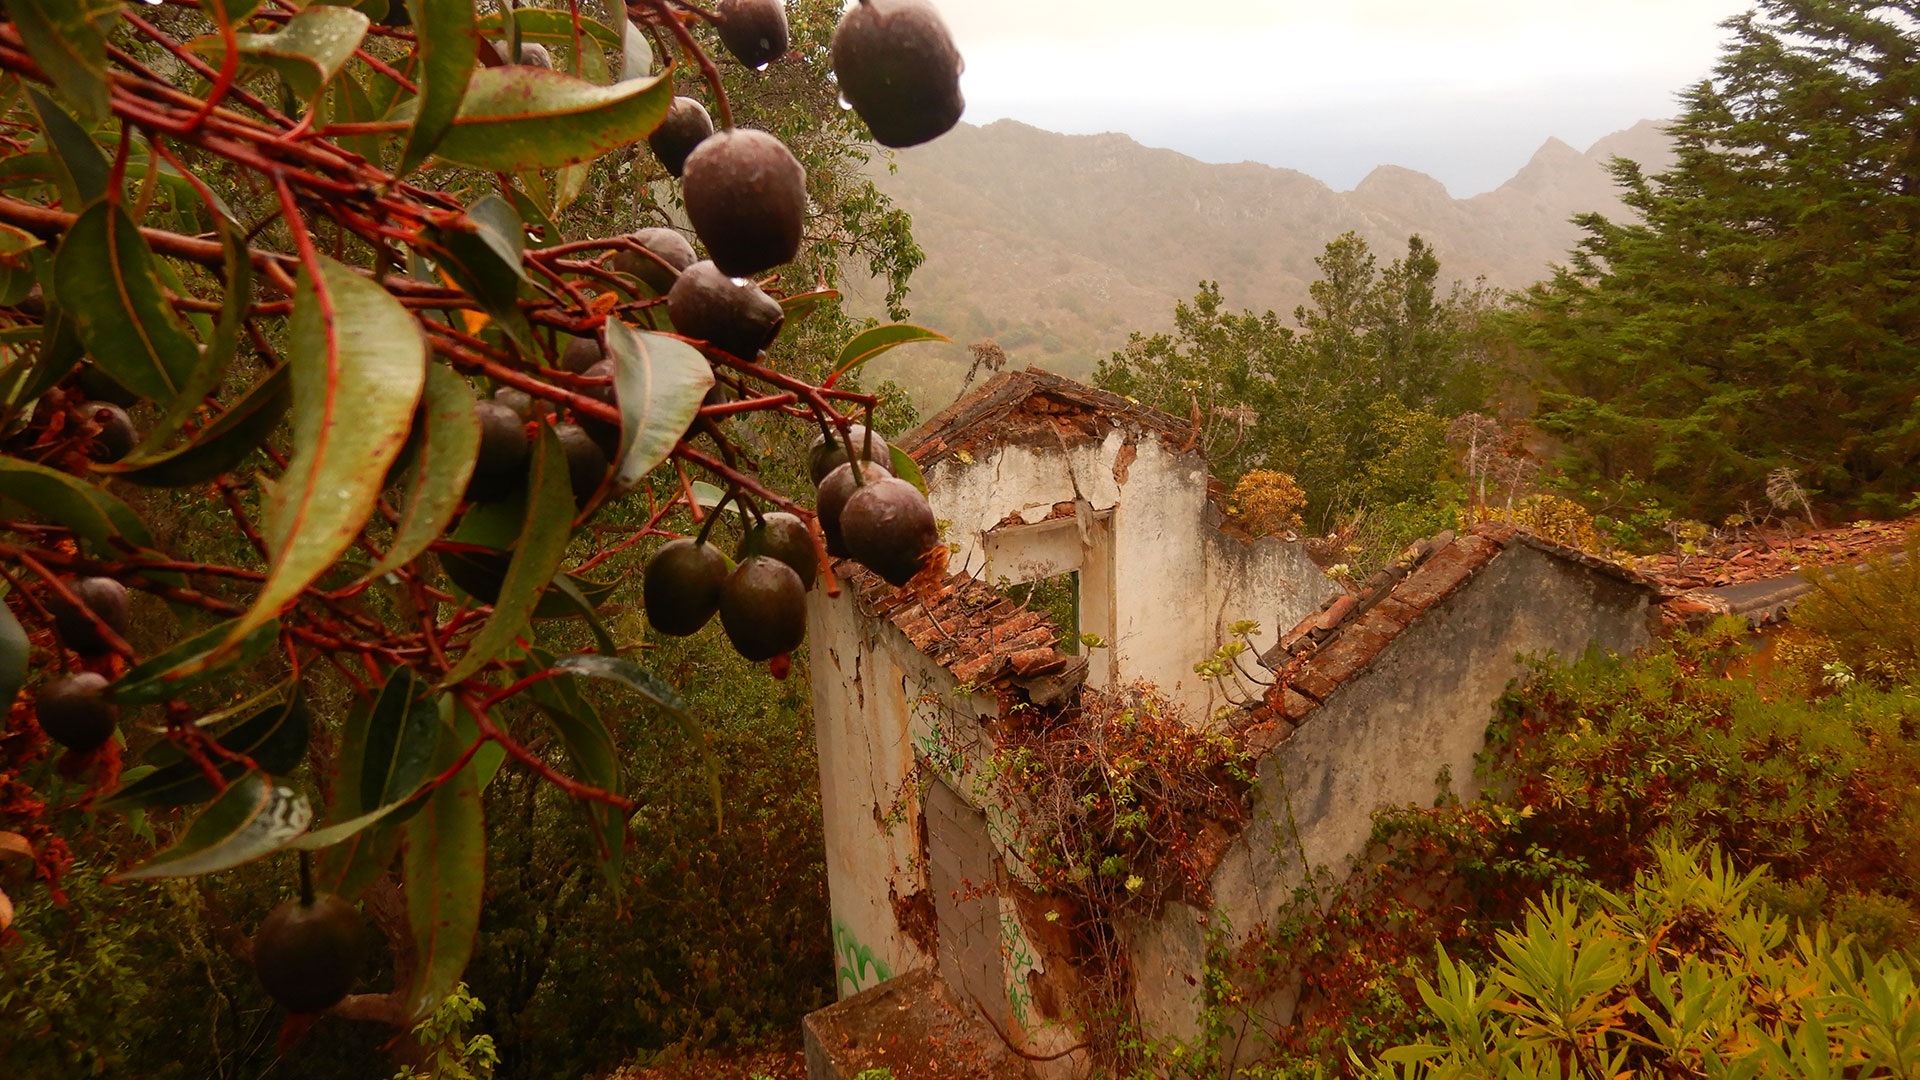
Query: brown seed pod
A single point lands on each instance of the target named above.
(754, 31)
(830, 499)
(73, 714)
(106, 598)
(681, 586)
(746, 195)
(763, 608)
(899, 69)
(738, 319)
(308, 955)
(687, 125)
(889, 528)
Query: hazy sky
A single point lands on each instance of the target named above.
(1465, 90)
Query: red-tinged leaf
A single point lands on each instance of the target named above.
(660, 382)
(544, 531)
(68, 39)
(595, 758)
(80, 167)
(219, 447)
(654, 689)
(802, 305)
(907, 469)
(444, 871)
(88, 510)
(14, 651)
(358, 363)
(308, 52)
(446, 38)
(107, 281)
(163, 677)
(871, 343)
(402, 732)
(275, 738)
(438, 478)
(520, 118)
(552, 26)
(253, 817)
(211, 366)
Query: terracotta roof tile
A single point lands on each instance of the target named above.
(980, 635)
(1342, 640)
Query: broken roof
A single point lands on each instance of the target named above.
(968, 627)
(1759, 577)
(1036, 407)
(1345, 637)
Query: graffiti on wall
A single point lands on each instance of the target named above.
(1017, 952)
(860, 967)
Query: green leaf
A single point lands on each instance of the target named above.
(402, 733)
(907, 469)
(220, 446)
(800, 306)
(107, 281)
(710, 496)
(17, 242)
(81, 169)
(275, 738)
(649, 686)
(590, 745)
(438, 479)
(570, 594)
(358, 364)
(351, 862)
(67, 40)
(660, 382)
(253, 817)
(444, 871)
(162, 678)
(520, 118)
(483, 255)
(341, 832)
(446, 40)
(352, 105)
(214, 359)
(636, 52)
(871, 343)
(13, 657)
(544, 532)
(307, 53)
(534, 214)
(552, 26)
(94, 514)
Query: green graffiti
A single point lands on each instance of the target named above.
(857, 963)
(1020, 960)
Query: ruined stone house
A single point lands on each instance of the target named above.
(948, 964)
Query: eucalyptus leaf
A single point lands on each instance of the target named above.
(536, 558)
(660, 382)
(14, 652)
(66, 39)
(308, 52)
(358, 364)
(444, 872)
(108, 282)
(650, 686)
(275, 738)
(163, 677)
(438, 478)
(211, 367)
(402, 732)
(220, 446)
(519, 118)
(88, 510)
(446, 39)
(252, 818)
(871, 343)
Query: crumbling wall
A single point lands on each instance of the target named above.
(1160, 581)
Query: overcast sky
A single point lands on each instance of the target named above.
(1464, 90)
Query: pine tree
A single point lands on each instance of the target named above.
(1765, 310)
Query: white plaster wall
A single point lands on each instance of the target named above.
(861, 709)
(1158, 581)
(1382, 740)
(1267, 581)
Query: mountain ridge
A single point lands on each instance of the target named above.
(1057, 246)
